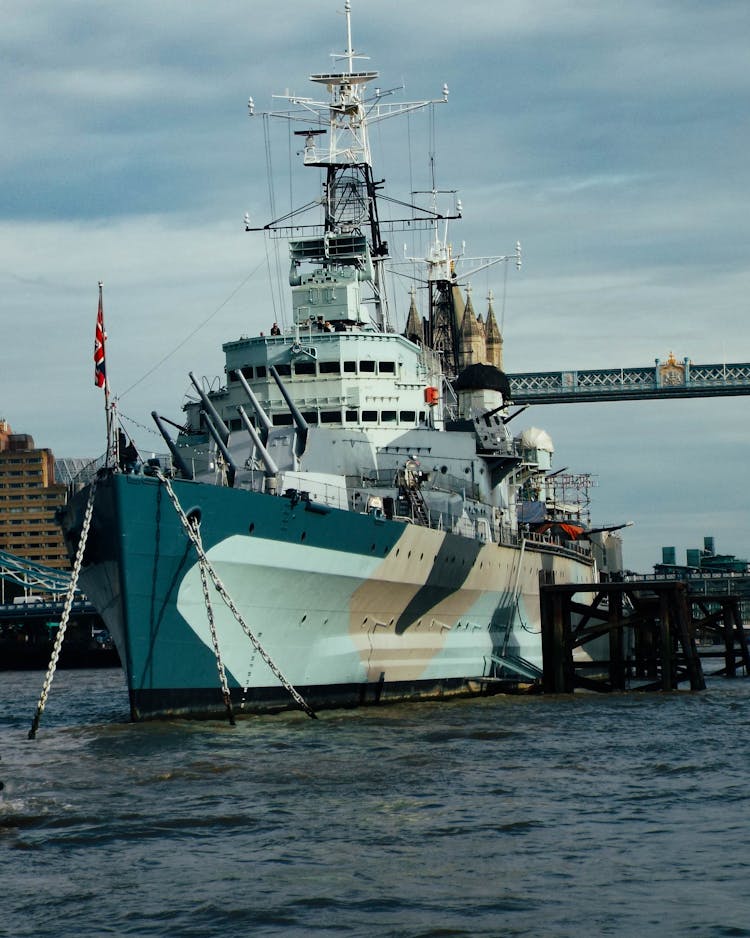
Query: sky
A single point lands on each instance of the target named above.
(610, 139)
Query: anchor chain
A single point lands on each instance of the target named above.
(66, 611)
(221, 590)
(212, 626)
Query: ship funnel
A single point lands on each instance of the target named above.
(263, 419)
(209, 409)
(299, 421)
(185, 471)
(231, 468)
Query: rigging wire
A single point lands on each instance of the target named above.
(190, 335)
(505, 291)
(413, 233)
(274, 283)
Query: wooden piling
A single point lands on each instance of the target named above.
(649, 628)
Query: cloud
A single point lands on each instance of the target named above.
(610, 139)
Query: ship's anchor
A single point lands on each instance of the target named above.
(66, 612)
(206, 566)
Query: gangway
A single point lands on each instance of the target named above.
(669, 379)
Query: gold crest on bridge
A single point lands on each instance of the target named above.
(671, 373)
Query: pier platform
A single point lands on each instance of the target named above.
(658, 634)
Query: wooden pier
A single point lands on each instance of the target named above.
(642, 635)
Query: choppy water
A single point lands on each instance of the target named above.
(620, 815)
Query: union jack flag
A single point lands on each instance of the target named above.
(100, 372)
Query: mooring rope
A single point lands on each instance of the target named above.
(221, 590)
(66, 611)
(212, 626)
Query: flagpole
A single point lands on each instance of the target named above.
(107, 406)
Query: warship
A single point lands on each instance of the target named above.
(348, 518)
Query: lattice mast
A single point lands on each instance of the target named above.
(337, 140)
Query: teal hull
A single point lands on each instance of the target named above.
(351, 607)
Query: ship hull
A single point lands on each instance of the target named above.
(351, 608)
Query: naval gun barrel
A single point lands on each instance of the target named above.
(209, 409)
(271, 467)
(299, 421)
(263, 418)
(185, 471)
(220, 445)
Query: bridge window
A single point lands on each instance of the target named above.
(367, 367)
(260, 371)
(369, 416)
(284, 371)
(331, 368)
(350, 367)
(311, 416)
(387, 368)
(282, 420)
(350, 416)
(407, 416)
(330, 416)
(304, 368)
(388, 416)
(247, 371)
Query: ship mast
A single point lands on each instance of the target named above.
(337, 140)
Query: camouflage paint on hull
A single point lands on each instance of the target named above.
(351, 607)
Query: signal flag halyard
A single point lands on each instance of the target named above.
(100, 372)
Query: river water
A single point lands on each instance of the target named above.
(618, 815)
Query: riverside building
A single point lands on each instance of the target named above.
(29, 497)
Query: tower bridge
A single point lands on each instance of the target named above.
(669, 379)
